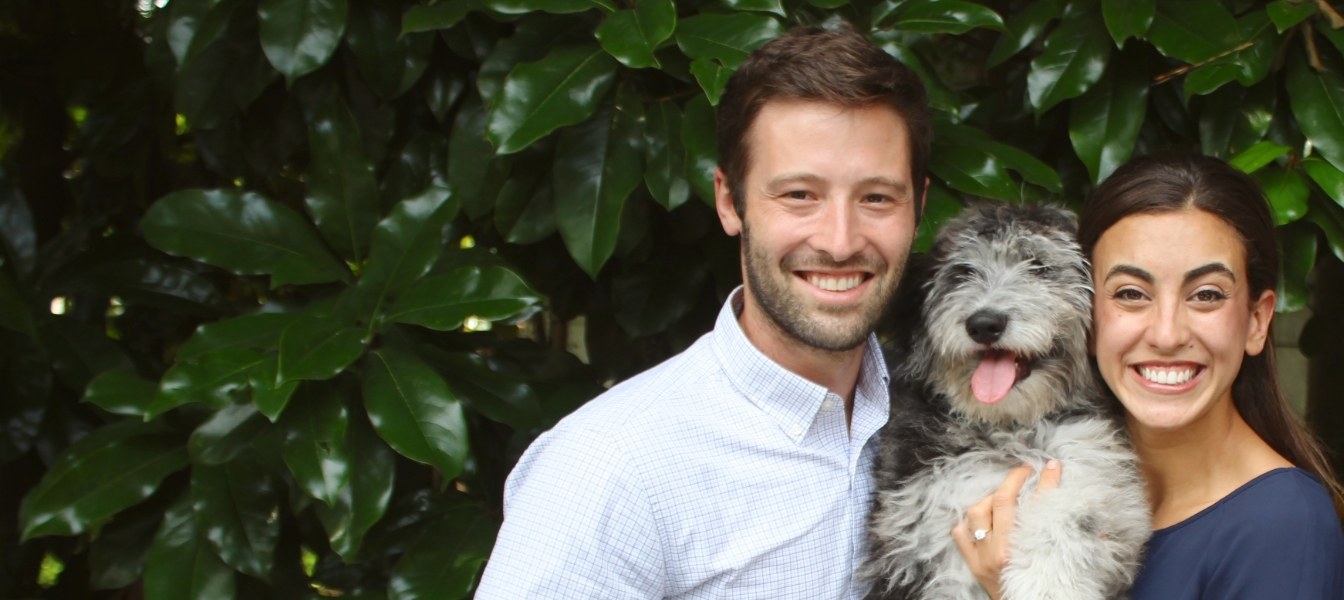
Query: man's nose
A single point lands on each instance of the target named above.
(839, 230)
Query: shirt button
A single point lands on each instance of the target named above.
(827, 404)
(798, 430)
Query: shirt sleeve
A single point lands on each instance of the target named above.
(577, 524)
(1293, 548)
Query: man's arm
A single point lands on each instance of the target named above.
(577, 524)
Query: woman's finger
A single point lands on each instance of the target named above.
(1004, 499)
(1050, 476)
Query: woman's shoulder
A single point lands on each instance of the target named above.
(1286, 497)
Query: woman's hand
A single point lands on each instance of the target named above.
(992, 518)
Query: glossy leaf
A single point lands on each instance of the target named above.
(342, 194)
(725, 38)
(1074, 59)
(1128, 18)
(533, 37)
(412, 409)
(269, 394)
(517, 7)
(225, 435)
(652, 301)
(212, 379)
(1331, 223)
(117, 554)
(597, 165)
(1287, 13)
(194, 25)
(434, 17)
(525, 210)
(121, 393)
(968, 168)
(202, 96)
(940, 206)
(181, 564)
(242, 232)
(712, 78)
(444, 302)
(1249, 62)
(407, 243)
(233, 504)
(299, 36)
(318, 346)
(1193, 30)
(314, 447)
(664, 158)
(18, 238)
(1327, 176)
(1234, 118)
(1023, 28)
(257, 331)
(474, 173)
(1317, 100)
(936, 16)
(1287, 192)
(490, 390)
(114, 467)
(1299, 255)
(562, 89)
(1251, 159)
(632, 36)
(359, 505)
(1104, 123)
(14, 312)
(444, 559)
(389, 59)
(702, 155)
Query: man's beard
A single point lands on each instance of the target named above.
(785, 308)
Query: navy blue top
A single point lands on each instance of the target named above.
(1276, 537)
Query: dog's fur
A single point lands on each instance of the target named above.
(943, 450)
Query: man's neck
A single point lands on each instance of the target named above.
(837, 371)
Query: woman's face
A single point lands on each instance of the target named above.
(1174, 316)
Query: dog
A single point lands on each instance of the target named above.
(990, 370)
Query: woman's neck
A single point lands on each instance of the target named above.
(1189, 469)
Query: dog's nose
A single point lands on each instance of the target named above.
(986, 326)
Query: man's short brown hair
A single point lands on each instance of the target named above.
(836, 65)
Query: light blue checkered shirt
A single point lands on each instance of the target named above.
(717, 474)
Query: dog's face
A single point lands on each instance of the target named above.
(1007, 313)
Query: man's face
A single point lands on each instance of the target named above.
(828, 223)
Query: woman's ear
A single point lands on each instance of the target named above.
(1262, 312)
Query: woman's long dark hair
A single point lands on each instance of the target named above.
(1172, 182)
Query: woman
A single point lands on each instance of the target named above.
(1185, 264)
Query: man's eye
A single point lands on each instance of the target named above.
(876, 198)
(798, 195)
(1128, 294)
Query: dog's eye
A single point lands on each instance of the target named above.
(1040, 269)
(960, 272)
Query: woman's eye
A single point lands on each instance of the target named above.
(1210, 296)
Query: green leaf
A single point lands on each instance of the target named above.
(115, 467)
(1299, 256)
(444, 560)
(1287, 13)
(117, 554)
(318, 346)
(269, 395)
(390, 60)
(1128, 18)
(407, 243)
(299, 36)
(363, 502)
(1287, 192)
(702, 154)
(314, 447)
(412, 408)
(444, 302)
(968, 168)
(18, 237)
(242, 232)
(725, 38)
(1022, 28)
(1104, 123)
(226, 435)
(936, 16)
(342, 193)
(212, 379)
(664, 157)
(533, 36)
(518, 7)
(234, 505)
(712, 78)
(1250, 63)
(1251, 159)
(490, 390)
(1331, 222)
(473, 172)
(525, 209)
(1074, 59)
(181, 565)
(1327, 176)
(940, 207)
(597, 165)
(1234, 118)
(562, 89)
(195, 24)
(1193, 30)
(654, 300)
(434, 17)
(1317, 100)
(121, 393)
(258, 331)
(632, 36)
(14, 312)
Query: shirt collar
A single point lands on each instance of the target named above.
(791, 400)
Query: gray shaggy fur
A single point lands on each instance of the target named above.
(1019, 269)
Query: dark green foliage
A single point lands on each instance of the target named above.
(248, 248)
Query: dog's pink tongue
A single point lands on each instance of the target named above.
(995, 376)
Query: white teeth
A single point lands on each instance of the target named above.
(835, 284)
(1167, 376)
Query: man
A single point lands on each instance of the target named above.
(742, 467)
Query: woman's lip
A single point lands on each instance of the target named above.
(1167, 377)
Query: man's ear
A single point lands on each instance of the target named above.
(923, 198)
(723, 203)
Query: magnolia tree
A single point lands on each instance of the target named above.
(287, 285)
